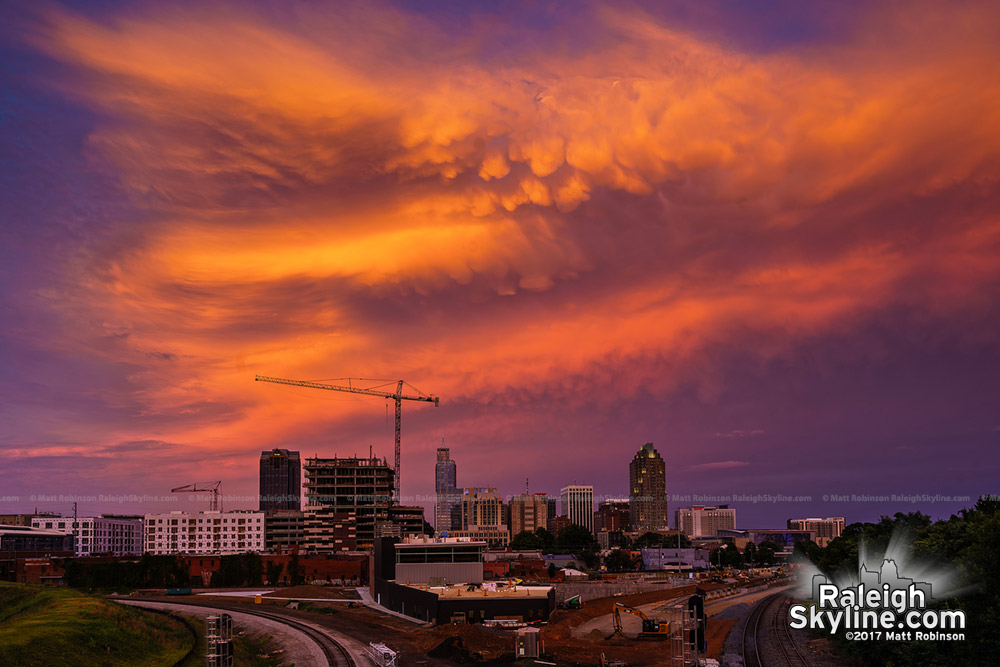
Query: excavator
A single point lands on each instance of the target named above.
(651, 628)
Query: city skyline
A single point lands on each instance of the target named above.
(762, 237)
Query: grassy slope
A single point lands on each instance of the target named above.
(58, 626)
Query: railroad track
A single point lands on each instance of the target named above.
(787, 645)
(336, 655)
(782, 650)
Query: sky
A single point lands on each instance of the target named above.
(763, 236)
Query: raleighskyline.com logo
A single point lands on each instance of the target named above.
(880, 605)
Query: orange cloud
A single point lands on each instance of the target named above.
(297, 188)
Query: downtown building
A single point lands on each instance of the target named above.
(280, 480)
(647, 491)
(528, 512)
(703, 521)
(402, 521)
(826, 529)
(447, 498)
(204, 532)
(337, 489)
(483, 518)
(613, 515)
(577, 503)
(284, 530)
(104, 535)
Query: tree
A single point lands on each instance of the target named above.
(254, 568)
(274, 570)
(548, 540)
(590, 558)
(750, 554)
(552, 570)
(730, 556)
(294, 575)
(765, 552)
(618, 561)
(807, 551)
(648, 541)
(526, 541)
(574, 538)
(428, 529)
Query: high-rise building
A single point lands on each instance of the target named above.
(553, 509)
(702, 521)
(106, 535)
(448, 498)
(362, 486)
(204, 533)
(826, 529)
(578, 505)
(647, 490)
(528, 512)
(280, 480)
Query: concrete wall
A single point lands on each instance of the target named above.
(591, 590)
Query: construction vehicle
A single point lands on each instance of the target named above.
(611, 662)
(651, 627)
(398, 396)
(572, 603)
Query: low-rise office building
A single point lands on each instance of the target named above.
(679, 560)
(442, 581)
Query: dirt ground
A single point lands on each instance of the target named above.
(716, 631)
(308, 591)
(454, 644)
(568, 650)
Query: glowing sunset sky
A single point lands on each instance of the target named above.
(763, 237)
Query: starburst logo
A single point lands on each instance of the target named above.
(879, 602)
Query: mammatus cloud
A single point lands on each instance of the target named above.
(507, 228)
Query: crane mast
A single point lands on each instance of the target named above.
(397, 396)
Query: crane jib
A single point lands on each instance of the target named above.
(396, 396)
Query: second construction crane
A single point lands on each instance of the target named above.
(398, 396)
(204, 486)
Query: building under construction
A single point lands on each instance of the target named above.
(361, 487)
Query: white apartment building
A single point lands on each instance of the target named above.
(105, 535)
(204, 532)
(578, 505)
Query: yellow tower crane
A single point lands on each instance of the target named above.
(398, 396)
